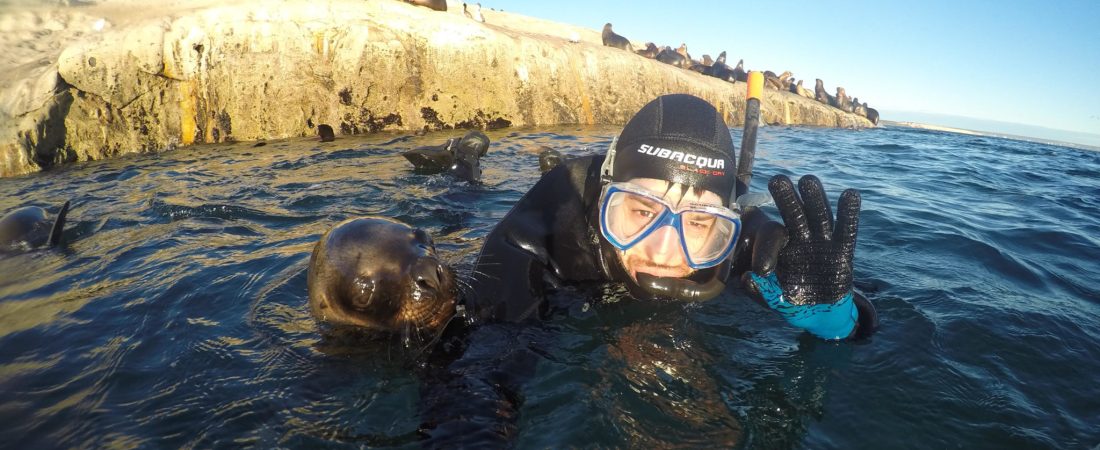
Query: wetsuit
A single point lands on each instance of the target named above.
(549, 239)
(545, 240)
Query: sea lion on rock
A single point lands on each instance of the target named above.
(820, 94)
(381, 275)
(858, 109)
(720, 70)
(785, 80)
(28, 228)
(683, 51)
(739, 72)
(872, 114)
(668, 56)
(459, 157)
(773, 81)
(611, 39)
(650, 51)
(798, 89)
(438, 5)
(841, 100)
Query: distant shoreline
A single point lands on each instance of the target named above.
(1014, 137)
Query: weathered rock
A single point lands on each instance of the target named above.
(260, 71)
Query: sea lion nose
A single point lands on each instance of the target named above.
(427, 273)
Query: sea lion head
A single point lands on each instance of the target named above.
(381, 275)
(29, 227)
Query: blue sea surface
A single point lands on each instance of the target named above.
(176, 316)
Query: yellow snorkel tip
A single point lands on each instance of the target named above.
(756, 85)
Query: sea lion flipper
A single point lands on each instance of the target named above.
(58, 225)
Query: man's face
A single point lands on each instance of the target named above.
(661, 254)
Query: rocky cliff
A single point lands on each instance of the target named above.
(262, 70)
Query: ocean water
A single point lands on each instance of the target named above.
(175, 316)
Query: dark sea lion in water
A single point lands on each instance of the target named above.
(29, 227)
(438, 5)
(459, 157)
(326, 133)
(650, 51)
(548, 158)
(467, 154)
(383, 276)
(611, 39)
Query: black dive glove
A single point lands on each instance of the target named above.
(804, 270)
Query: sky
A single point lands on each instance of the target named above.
(1034, 63)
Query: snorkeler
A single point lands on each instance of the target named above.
(658, 214)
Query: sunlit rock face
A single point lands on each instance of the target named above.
(93, 81)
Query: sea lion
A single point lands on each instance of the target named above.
(696, 66)
(326, 133)
(28, 228)
(548, 158)
(438, 5)
(611, 39)
(872, 113)
(820, 94)
(739, 72)
(683, 51)
(771, 80)
(858, 109)
(459, 157)
(719, 69)
(707, 61)
(671, 57)
(841, 100)
(798, 89)
(383, 276)
(650, 51)
(785, 80)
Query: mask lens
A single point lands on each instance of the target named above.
(707, 236)
(628, 215)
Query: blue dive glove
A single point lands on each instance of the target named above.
(825, 320)
(804, 270)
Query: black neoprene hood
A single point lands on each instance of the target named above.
(679, 138)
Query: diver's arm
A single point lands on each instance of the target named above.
(542, 241)
(803, 270)
(511, 276)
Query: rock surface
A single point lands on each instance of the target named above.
(104, 80)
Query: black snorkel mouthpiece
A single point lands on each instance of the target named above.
(681, 288)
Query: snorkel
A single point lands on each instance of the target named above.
(684, 141)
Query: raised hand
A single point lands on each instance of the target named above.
(803, 270)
